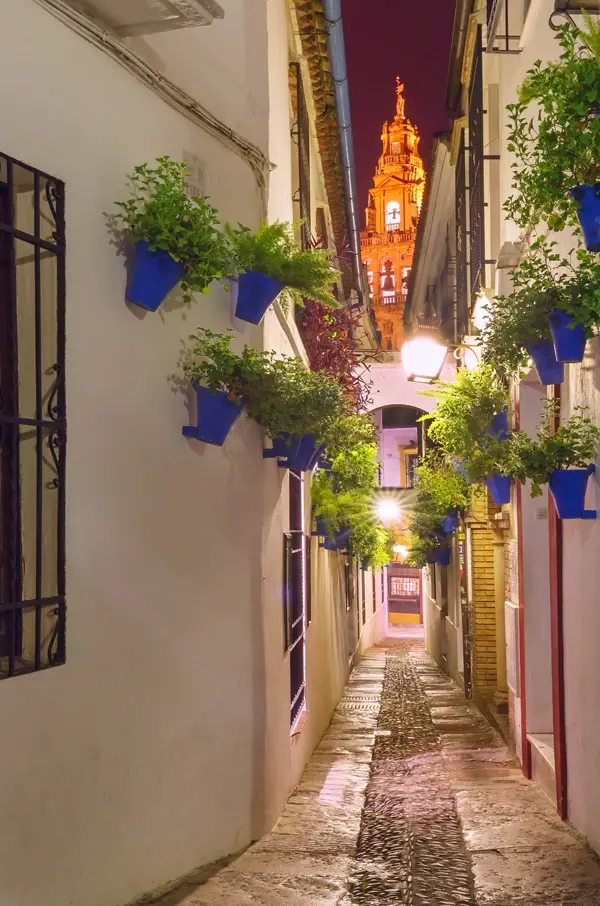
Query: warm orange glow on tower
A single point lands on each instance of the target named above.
(388, 242)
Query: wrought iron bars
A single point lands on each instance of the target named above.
(32, 419)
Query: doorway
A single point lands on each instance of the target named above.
(404, 594)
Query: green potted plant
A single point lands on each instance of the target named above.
(294, 406)
(466, 409)
(371, 543)
(448, 490)
(549, 315)
(557, 147)
(492, 463)
(561, 457)
(426, 524)
(269, 261)
(421, 551)
(175, 236)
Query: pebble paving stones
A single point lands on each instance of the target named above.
(411, 799)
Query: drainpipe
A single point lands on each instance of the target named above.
(337, 56)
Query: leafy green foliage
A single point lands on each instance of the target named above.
(465, 409)
(557, 146)
(544, 280)
(273, 251)
(280, 393)
(438, 480)
(420, 550)
(490, 457)
(372, 542)
(572, 444)
(161, 213)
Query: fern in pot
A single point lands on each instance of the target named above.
(554, 132)
(268, 262)
(561, 456)
(176, 237)
(438, 480)
(472, 406)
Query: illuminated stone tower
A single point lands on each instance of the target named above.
(387, 243)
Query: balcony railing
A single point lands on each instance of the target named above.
(390, 159)
(391, 302)
(394, 235)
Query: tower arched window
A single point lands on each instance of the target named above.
(387, 281)
(392, 215)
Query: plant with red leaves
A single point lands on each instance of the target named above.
(329, 339)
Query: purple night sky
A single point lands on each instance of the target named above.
(386, 38)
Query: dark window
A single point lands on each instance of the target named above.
(32, 419)
(364, 596)
(301, 135)
(296, 596)
(476, 175)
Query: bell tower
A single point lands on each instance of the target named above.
(387, 243)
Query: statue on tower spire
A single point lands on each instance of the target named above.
(399, 98)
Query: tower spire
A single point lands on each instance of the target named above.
(399, 98)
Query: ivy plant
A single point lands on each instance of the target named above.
(272, 250)
(571, 444)
(161, 213)
(464, 409)
(554, 132)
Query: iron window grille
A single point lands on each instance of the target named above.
(476, 173)
(296, 595)
(462, 236)
(504, 25)
(32, 419)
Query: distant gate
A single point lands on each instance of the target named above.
(404, 594)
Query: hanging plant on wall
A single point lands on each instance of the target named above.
(175, 236)
(438, 480)
(557, 143)
(549, 315)
(291, 403)
(562, 457)
(465, 410)
(268, 262)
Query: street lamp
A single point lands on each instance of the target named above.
(424, 354)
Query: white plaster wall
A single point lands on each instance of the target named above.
(581, 567)
(391, 387)
(536, 580)
(136, 760)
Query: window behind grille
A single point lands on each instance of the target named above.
(32, 419)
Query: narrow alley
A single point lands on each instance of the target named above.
(411, 798)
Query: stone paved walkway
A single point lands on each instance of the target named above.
(411, 799)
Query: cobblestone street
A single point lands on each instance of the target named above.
(411, 798)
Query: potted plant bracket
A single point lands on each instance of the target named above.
(298, 451)
(568, 488)
(216, 414)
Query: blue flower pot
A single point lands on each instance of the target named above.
(298, 451)
(364, 565)
(216, 415)
(499, 426)
(442, 557)
(253, 292)
(339, 541)
(568, 487)
(152, 277)
(588, 202)
(450, 523)
(568, 336)
(499, 487)
(321, 530)
(549, 370)
(459, 466)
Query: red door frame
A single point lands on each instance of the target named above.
(525, 744)
(555, 531)
(555, 541)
